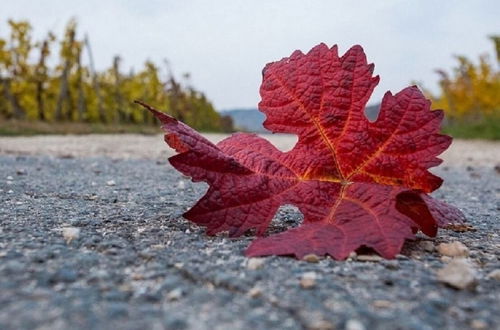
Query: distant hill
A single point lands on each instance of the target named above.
(250, 120)
(371, 111)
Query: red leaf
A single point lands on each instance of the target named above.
(357, 183)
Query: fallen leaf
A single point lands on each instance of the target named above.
(356, 182)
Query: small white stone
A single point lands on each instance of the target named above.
(446, 259)
(254, 292)
(308, 280)
(255, 263)
(495, 274)
(459, 274)
(321, 325)
(181, 184)
(382, 304)
(70, 233)
(478, 324)
(453, 249)
(353, 324)
(10, 178)
(110, 183)
(369, 257)
(175, 294)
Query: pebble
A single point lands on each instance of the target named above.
(175, 294)
(391, 264)
(427, 246)
(478, 324)
(311, 258)
(308, 280)
(352, 255)
(369, 257)
(446, 259)
(255, 292)
(495, 274)
(111, 183)
(255, 263)
(459, 273)
(453, 249)
(354, 324)
(70, 233)
(137, 276)
(321, 325)
(382, 304)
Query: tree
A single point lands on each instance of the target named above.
(16, 84)
(471, 91)
(42, 74)
(73, 91)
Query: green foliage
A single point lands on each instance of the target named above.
(488, 129)
(72, 92)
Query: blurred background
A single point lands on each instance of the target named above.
(76, 66)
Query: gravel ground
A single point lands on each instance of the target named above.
(129, 261)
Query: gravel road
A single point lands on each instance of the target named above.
(91, 237)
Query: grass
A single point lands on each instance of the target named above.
(27, 128)
(487, 129)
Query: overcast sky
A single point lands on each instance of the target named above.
(224, 44)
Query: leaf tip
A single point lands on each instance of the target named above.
(163, 117)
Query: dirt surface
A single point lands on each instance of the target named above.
(134, 146)
(92, 237)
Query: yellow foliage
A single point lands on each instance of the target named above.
(471, 91)
(74, 92)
